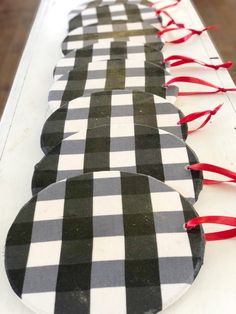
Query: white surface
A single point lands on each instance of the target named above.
(214, 290)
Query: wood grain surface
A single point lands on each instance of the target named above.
(223, 14)
(16, 17)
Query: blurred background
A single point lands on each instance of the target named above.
(17, 16)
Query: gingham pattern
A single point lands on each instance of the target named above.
(97, 3)
(123, 147)
(115, 31)
(111, 107)
(106, 242)
(109, 50)
(106, 14)
(109, 75)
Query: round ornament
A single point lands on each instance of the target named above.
(104, 242)
(124, 147)
(111, 107)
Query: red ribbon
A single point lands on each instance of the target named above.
(214, 169)
(221, 220)
(194, 80)
(186, 37)
(172, 21)
(176, 2)
(180, 60)
(196, 115)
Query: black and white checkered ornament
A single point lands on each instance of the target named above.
(123, 147)
(107, 14)
(111, 107)
(97, 3)
(109, 75)
(115, 31)
(109, 50)
(105, 242)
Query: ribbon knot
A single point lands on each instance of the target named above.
(194, 80)
(196, 115)
(177, 60)
(222, 90)
(183, 39)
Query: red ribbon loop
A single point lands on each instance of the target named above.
(195, 115)
(180, 60)
(176, 2)
(171, 21)
(221, 220)
(214, 169)
(186, 37)
(194, 80)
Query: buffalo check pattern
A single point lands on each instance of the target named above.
(115, 31)
(105, 242)
(123, 147)
(111, 240)
(110, 50)
(109, 75)
(106, 14)
(98, 3)
(111, 107)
